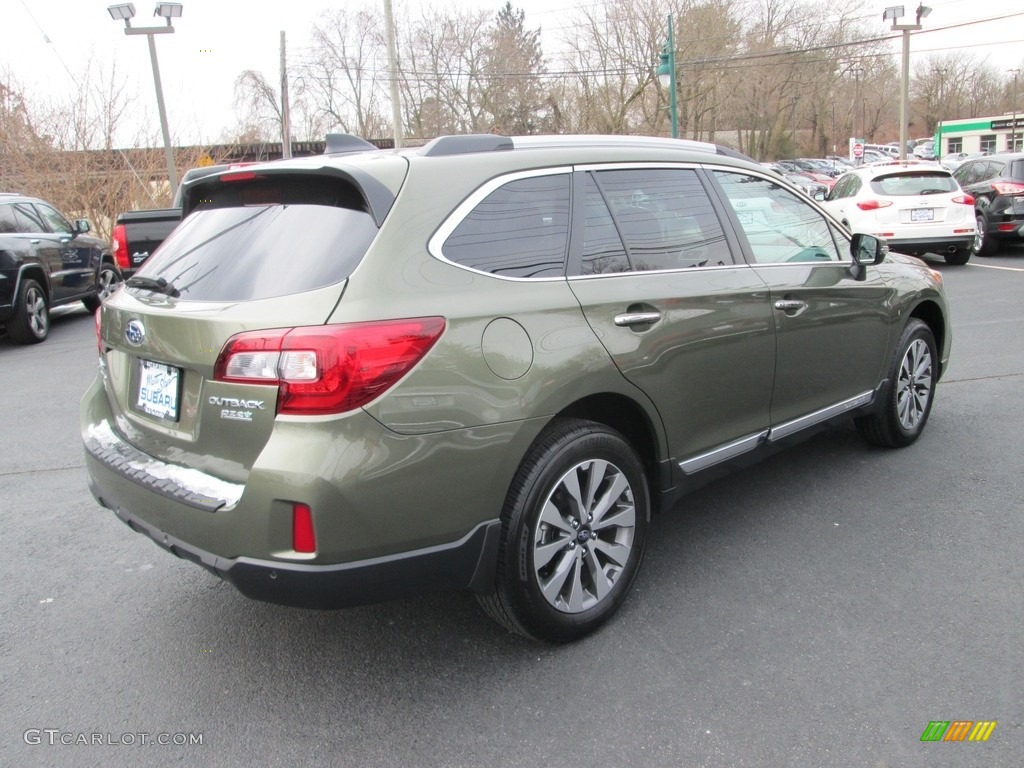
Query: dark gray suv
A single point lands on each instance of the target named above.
(484, 364)
(997, 184)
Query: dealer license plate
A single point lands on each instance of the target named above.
(159, 387)
(922, 214)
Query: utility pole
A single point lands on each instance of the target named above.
(1013, 105)
(286, 118)
(396, 106)
(857, 72)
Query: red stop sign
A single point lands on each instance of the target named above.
(858, 150)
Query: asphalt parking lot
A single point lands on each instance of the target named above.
(819, 609)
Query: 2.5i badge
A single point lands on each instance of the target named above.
(234, 409)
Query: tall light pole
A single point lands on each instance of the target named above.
(168, 11)
(896, 13)
(667, 76)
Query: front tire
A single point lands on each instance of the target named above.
(30, 323)
(908, 394)
(574, 526)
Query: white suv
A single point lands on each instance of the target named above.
(918, 207)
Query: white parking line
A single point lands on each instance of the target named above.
(993, 266)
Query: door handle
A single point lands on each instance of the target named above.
(34, 241)
(637, 318)
(790, 305)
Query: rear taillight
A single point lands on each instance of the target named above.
(99, 330)
(873, 205)
(1008, 188)
(963, 200)
(328, 369)
(119, 244)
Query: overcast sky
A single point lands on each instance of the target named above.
(46, 44)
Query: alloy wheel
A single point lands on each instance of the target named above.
(584, 536)
(914, 385)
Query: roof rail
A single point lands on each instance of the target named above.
(467, 144)
(340, 143)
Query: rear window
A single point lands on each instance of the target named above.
(908, 184)
(1017, 170)
(264, 238)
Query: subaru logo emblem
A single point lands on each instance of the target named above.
(135, 333)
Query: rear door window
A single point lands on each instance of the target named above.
(7, 223)
(270, 237)
(650, 219)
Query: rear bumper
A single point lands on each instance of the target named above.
(938, 245)
(468, 563)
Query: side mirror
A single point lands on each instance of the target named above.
(867, 249)
(819, 195)
(82, 226)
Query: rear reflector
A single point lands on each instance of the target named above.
(303, 537)
(1008, 227)
(325, 369)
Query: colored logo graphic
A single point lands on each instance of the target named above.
(959, 730)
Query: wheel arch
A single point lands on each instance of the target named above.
(33, 272)
(629, 418)
(931, 314)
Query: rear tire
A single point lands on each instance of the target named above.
(30, 323)
(106, 282)
(574, 526)
(983, 244)
(908, 394)
(959, 257)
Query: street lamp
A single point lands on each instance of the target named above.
(125, 12)
(895, 13)
(667, 76)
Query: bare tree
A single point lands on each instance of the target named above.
(345, 74)
(443, 59)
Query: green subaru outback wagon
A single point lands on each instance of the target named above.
(485, 363)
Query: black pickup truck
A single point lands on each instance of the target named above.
(137, 233)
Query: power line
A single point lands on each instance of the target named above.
(48, 41)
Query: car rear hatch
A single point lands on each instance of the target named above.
(269, 252)
(924, 197)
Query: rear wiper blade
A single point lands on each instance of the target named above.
(157, 285)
